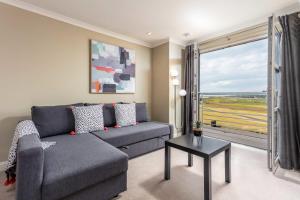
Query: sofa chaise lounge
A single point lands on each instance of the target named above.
(89, 166)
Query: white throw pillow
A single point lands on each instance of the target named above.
(88, 118)
(125, 114)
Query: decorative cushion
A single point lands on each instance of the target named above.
(141, 112)
(53, 120)
(108, 114)
(88, 118)
(125, 114)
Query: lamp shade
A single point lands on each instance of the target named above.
(182, 93)
(174, 73)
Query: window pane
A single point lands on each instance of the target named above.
(241, 68)
(233, 84)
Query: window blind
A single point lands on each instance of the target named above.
(243, 36)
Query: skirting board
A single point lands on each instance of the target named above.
(2, 166)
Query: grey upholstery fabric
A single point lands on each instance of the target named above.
(109, 115)
(171, 130)
(289, 109)
(30, 159)
(131, 134)
(53, 120)
(102, 191)
(77, 162)
(145, 146)
(141, 112)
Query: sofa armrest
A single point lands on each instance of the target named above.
(30, 164)
(171, 131)
(171, 127)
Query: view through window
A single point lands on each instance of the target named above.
(233, 84)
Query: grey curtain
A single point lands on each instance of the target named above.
(289, 108)
(188, 86)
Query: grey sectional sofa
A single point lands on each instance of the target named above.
(90, 166)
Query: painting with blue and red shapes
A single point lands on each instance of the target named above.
(112, 69)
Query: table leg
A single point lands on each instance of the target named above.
(190, 159)
(167, 162)
(207, 179)
(228, 165)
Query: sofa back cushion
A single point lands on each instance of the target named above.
(53, 120)
(109, 115)
(141, 112)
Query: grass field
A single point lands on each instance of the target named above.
(249, 114)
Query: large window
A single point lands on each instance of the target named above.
(233, 84)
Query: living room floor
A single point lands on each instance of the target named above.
(251, 180)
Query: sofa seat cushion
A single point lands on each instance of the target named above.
(119, 137)
(77, 162)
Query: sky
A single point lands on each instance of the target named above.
(241, 68)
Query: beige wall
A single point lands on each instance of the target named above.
(46, 62)
(166, 57)
(160, 83)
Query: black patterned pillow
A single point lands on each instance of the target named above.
(88, 118)
(125, 114)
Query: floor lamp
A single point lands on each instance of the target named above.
(182, 93)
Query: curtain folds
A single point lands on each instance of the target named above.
(188, 86)
(289, 108)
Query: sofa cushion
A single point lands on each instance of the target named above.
(53, 120)
(141, 112)
(131, 134)
(110, 117)
(77, 162)
(88, 118)
(125, 114)
(108, 114)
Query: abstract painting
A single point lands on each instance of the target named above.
(112, 69)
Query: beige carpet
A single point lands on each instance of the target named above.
(251, 180)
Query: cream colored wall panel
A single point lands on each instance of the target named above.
(160, 83)
(46, 62)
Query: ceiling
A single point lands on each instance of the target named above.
(203, 19)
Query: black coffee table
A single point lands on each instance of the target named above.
(205, 148)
